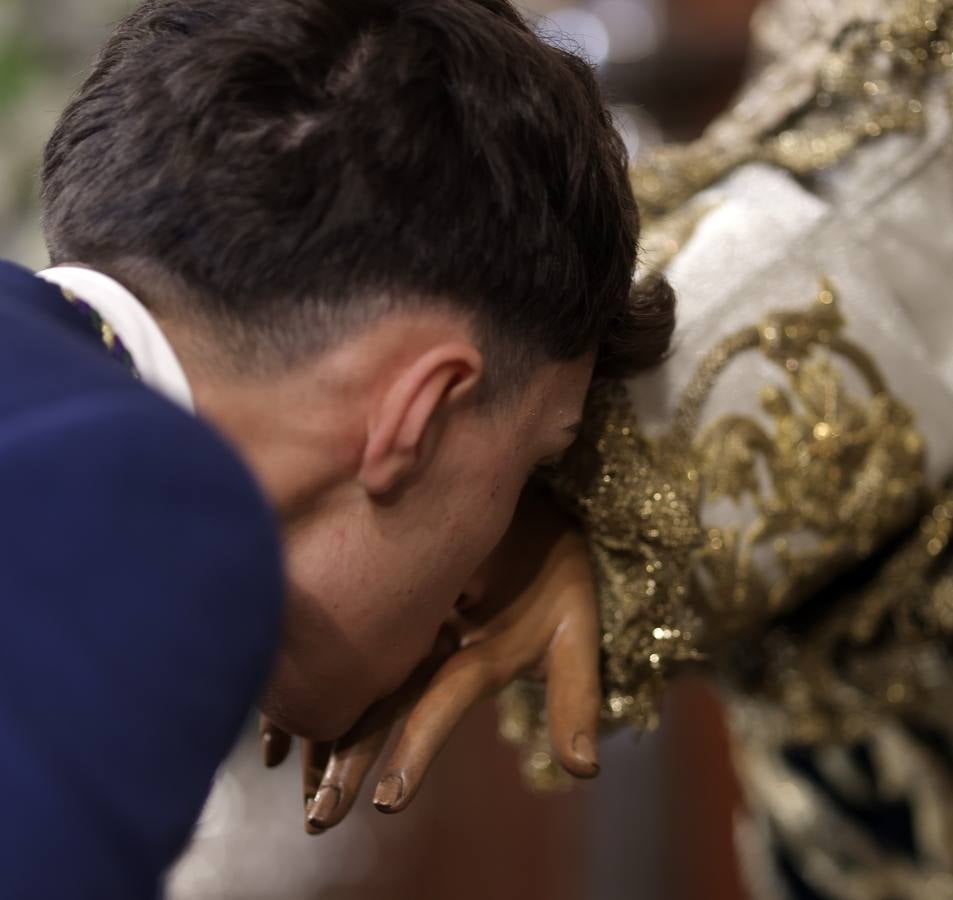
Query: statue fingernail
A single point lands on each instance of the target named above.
(585, 750)
(324, 803)
(388, 793)
(311, 828)
(312, 825)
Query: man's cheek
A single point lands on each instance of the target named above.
(323, 677)
(402, 661)
(502, 518)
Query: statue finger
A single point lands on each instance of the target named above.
(355, 753)
(350, 761)
(464, 679)
(275, 742)
(574, 695)
(314, 760)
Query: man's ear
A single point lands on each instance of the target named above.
(408, 410)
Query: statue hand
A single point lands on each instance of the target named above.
(534, 616)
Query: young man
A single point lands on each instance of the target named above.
(377, 247)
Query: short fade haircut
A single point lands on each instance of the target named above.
(287, 170)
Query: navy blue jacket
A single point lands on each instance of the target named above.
(141, 594)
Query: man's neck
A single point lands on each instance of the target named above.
(290, 433)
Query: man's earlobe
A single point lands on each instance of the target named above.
(410, 414)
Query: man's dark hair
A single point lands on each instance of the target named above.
(289, 169)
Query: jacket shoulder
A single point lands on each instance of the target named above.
(143, 588)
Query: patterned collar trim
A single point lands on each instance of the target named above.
(127, 328)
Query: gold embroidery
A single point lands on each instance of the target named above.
(837, 472)
(109, 336)
(111, 341)
(874, 661)
(869, 82)
(841, 469)
(858, 657)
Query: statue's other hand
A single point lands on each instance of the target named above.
(531, 613)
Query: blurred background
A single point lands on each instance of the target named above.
(657, 824)
(668, 66)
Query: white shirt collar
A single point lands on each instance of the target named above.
(150, 349)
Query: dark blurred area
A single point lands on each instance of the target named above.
(670, 64)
